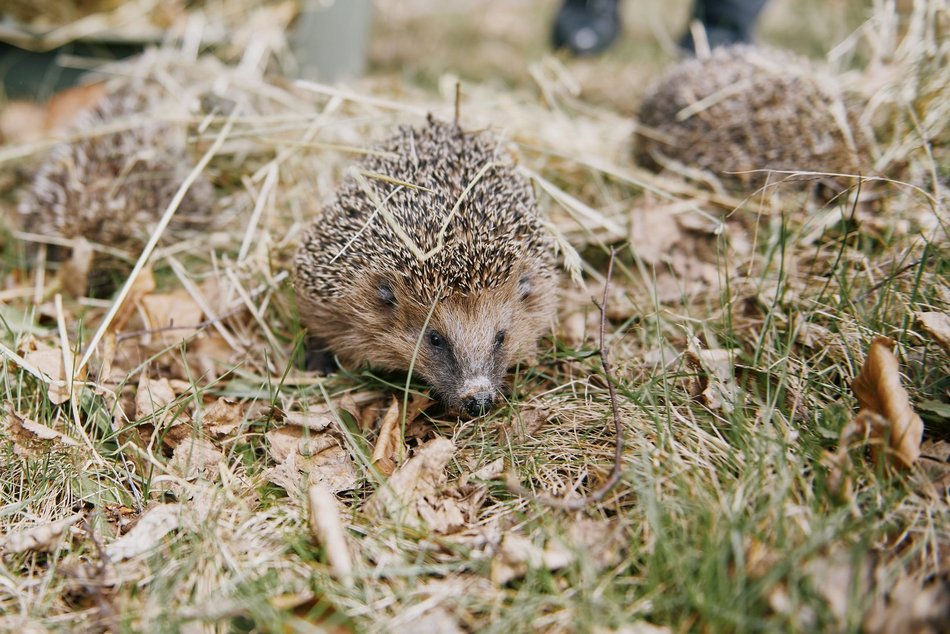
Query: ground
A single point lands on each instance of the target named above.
(169, 465)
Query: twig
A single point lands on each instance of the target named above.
(576, 504)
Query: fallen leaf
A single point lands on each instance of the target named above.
(152, 397)
(653, 231)
(865, 426)
(315, 419)
(195, 457)
(319, 455)
(434, 621)
(143, 285)
(840, 579)
(222, 417)
(40, 538)
(389, 449)
(172, 317)
(416, 479)
(937, 325)
(517, 554)
(31, 439)
(912, 605)
(714, 384)
(147, 533)
(878, 389)
(602, 542)
(49, 361)
(328, 531)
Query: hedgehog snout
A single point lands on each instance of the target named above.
(477, 396)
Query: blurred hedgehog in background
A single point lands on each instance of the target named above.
(746, 108)
(113, 178)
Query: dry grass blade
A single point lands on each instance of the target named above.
(617, 470)
(328, 531)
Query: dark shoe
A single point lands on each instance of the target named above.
(715, 36)
(726, 22)
(587, 27)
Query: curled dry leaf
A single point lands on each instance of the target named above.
(937, 326)
(328, 531)
(195, 457)
(147, 533)
(412, 490)
(31, 439)
(40, 538)
(389, 449)
(864, 427)
(878, 389)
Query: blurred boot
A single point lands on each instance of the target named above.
(725, 22)
(587, 27)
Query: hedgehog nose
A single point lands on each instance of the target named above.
(479, 403)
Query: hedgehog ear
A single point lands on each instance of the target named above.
(385, 292)
(524, 286)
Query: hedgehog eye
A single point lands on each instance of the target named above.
(500, 339)
(386, 294)
(524, 286)
(436, 340)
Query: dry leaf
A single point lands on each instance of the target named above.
(409, 486)
(878, 389)
(143, 285)
(41, 538)
(49, 361)
(328, 531)
(152, 397)
(866, 425)
(912, 605)
(172, 317)
(147, 533)
(315, 419)
(389, 449)
(434, 621)
(517, 554)
(653, 232)
(31, 439)
(320, 456)
(222, 417)
(937, 325)
(195, 457)
(714, 386)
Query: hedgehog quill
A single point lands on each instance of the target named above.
(432, 256)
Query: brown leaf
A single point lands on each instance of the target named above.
(389, 449)
(517, 554)
(653, 231)
(40, 538)
(142, 286)
(31, 439)
(714, 385)
(318, 455)
(937, 325)
(409, 486)
(878, 389)
(151, 528)
(195, 457)
(172, 317)
(49, 361)
(864, 427)
(151, 398)
(222, 417)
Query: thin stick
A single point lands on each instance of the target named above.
(155, 237)
(458, 101)
(577, 504)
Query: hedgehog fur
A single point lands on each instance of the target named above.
(468, 301)
(112, 187)
(747, 108)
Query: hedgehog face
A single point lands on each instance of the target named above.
(468, 343)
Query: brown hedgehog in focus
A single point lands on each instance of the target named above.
(111, 187)
(745, 108)
(467, 300)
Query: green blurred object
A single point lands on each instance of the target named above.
(36, 76)
(330, 39)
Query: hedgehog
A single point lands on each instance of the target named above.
(432, 258)
(112, 186)
(747, 108)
